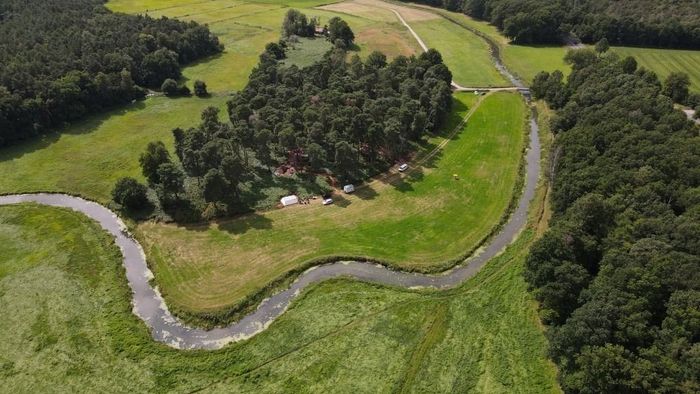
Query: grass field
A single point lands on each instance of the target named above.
(306, 52)
(89, 157)
(665, 61)
(66, 326)
(526, 61)
(418, 222)
(466, 54)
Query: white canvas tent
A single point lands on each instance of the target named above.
(289, 200)
(348, 188)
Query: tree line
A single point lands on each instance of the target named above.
(617, 274)
(657, 23)
(63, 59)
(344, 119)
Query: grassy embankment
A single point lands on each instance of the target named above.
(67, 326)
(419, 221)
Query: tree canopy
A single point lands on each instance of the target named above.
(618, 272)
(341, 119)
(661, 23)
(63, 59)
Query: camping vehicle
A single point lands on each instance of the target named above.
(289, 200)
(349, 188)
(327, 201)
(403, 167)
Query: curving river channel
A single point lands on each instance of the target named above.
(149, 305)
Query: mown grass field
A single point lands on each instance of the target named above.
(66, 326)
(665, 61)
(467, 52)
(418, 222)
(89, 157)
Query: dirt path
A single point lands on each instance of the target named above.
(455, 85)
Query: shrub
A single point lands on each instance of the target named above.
(200, 89)
(169, 87)
(129, 193)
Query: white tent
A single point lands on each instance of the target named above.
(289, 200)
(348, 188)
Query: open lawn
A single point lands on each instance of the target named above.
(66, 325)
(306, 52)
(522, 60)
(419, 221)
(466, 54)
(665, 61)
(87, 158)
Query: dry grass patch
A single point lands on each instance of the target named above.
(379, 10)
(391, 42)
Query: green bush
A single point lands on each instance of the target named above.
(129, 193)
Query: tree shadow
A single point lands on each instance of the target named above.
(236, 225)
(84, 126)
(341, 201)
(242, 224)
(143, 213)
(453, 119)
(366, 192)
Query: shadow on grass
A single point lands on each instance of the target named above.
(341, 201)
(366, 192)
(456, 115)
(83, 126)
(235, 225)
(246, 222)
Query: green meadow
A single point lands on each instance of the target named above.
(420, 221)
(67, 326)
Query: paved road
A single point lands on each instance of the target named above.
(149, 305)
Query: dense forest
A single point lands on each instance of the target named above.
(618, 272)
(63, 59)
(343, 119)
(658, 23)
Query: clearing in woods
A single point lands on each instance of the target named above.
(417, 222)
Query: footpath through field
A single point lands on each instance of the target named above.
(455, 85)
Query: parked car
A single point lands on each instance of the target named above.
(403, 167)
(327, 201)
(349, 188)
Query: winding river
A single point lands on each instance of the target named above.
(149, 305)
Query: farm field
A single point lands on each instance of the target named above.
(462, 48)
(418, 222)
(67, 325)
(665, 61)
(306, 52)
